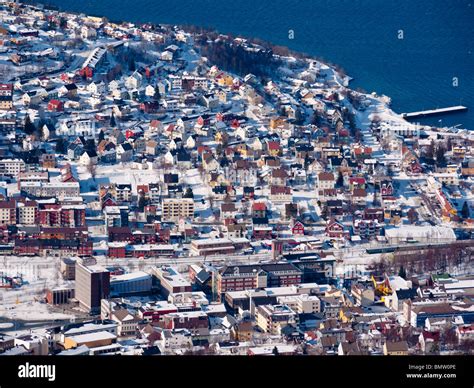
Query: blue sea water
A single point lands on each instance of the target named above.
(362, 36)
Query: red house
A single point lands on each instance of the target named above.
(273, 147)
(150, 107)
(357, 182)
(297, 229)
(386, 188)
(415, 167)
(262, 233)
(235, 124)
(259, 210)
(335, 229)
(86, 72)
(55, 106)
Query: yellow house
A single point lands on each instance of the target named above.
(221, 137)
(225, 80)
(277, 122)
(216, 179)
(244, 150)
(222, 95)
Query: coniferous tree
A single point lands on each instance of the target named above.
(131, 64)
(189, 193)
(29, 127)
(440, 157)
(61, 146)
(90, 145)
(112, 120)
(465, 210)
(340, 180)
(402, 272)
(141, 201)
(157, 95)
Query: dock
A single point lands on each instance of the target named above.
(451, 109)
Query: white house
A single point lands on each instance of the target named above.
(174, 340)
(134, 81)
(113, 85)
(88, 158)
(150, 91)
(88, 33)
(96, 88)
(169, 158)
(167, 56)
(190, 142)
(124, 152)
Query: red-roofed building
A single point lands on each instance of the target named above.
(86, 72)
(465, 333)
(429, 341)
(143, 188)
(356, 182)
(55, 106)
(155, 125)
(259, 210)
(335, 229)
(297, 228)
(273, 148)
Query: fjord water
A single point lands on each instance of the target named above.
(361, 36)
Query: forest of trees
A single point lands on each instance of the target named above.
(431, 260)
(235, 58)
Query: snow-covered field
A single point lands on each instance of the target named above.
(38, 275)
(31, 311)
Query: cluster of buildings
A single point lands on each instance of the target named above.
(263, 307)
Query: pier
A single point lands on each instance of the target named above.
(458, 108)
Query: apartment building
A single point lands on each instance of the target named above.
(7, 212)
(175, 208)
(302, 304)
(6, 96)
(11, 167)
(273, 318)
(92, 285)
(59, 190)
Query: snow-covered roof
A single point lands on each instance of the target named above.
(433, 233)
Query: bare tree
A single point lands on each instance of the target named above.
(92, 169)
